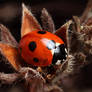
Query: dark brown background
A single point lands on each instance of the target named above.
(60, 10)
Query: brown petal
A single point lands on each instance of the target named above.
(29, 22)
(61, 32)
(47, 21)
(11, 54)
(6, 36)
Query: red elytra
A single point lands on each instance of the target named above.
(33, 47)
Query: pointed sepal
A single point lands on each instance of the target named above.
(29, 22)
(62, 31)
(47, 21)
(6, 36)
(11, 54)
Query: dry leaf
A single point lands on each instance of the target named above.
(62, 31)
(12, 55)
(79, 59)
(6, 36)
(87, 12)
(34, 81)
(88, 22)
(47, 21)
(29, 22)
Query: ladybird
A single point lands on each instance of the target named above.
(42, 48)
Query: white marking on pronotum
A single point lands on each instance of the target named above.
(57, 44)
(66, 55)
(58, 62)
(56, 50)
(63, 59)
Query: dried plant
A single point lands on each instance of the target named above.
(74, 75)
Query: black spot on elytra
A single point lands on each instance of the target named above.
(32, 46)
(36, 60)
(42, 32)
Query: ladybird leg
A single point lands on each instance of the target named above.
(50, 72)
(39, 69)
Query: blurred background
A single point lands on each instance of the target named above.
(60, 10)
